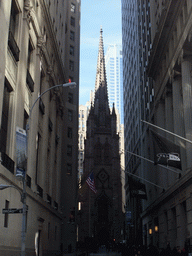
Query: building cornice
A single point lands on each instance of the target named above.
(53, 39)
(170, 193)
(160, 43)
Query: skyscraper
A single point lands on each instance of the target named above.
(156, 43)
(138, 98)
(114, 69)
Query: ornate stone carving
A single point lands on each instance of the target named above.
(41, 44)
(50, 71)
(28, 8)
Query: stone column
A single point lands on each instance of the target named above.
(172, 225)
(169, 125)
(160, 113)
(161, 173)
(187, 98)
(168, 112)
(189, 216)
(181, 225)
(178, 119)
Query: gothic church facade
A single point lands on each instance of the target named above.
(101, 211)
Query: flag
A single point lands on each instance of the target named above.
(91, 182)
(137, 188)
(165, 151)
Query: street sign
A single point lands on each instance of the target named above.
(12, 210)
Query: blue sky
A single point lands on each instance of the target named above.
(94, 14)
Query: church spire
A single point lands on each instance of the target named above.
(101, 103)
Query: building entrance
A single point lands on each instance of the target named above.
(102, 221)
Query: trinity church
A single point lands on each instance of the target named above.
(101, 206)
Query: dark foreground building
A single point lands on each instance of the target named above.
(100, 217)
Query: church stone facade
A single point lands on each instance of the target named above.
(101, 212)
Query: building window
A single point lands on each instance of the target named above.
(49, 199)
(50, 125)
(41, 104)
(69, 169)
(28, 181)
(70, 115)
(72, 50)
(72, 7)
(70, 98)
(55, 233)
(72, 21)
(49, 230)
(6, 214)
(29, 78)
(13, 30)
(4, 118)
(71, 65)
(30, 54)
(69, 150)
(25, 119)
(38, 156)
(69, 133)
(72, 35)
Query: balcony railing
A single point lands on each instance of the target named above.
(13, 46)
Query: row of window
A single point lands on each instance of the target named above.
(15, 50)
(72, 37)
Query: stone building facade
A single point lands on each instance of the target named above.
(164, 65)
(39, 49)
(170, 68)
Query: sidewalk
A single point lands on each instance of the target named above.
(106, 254)
(101, 253)
(75, 254)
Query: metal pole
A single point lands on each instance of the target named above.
(174, 134)
(23, 232)
(143, 179)
(163, 166)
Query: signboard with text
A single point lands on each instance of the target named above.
(12, 210)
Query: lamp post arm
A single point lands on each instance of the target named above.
(2, 187)
(70, 85)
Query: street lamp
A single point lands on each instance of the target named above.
(71, 85)
(23, 194)
(2, 186)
